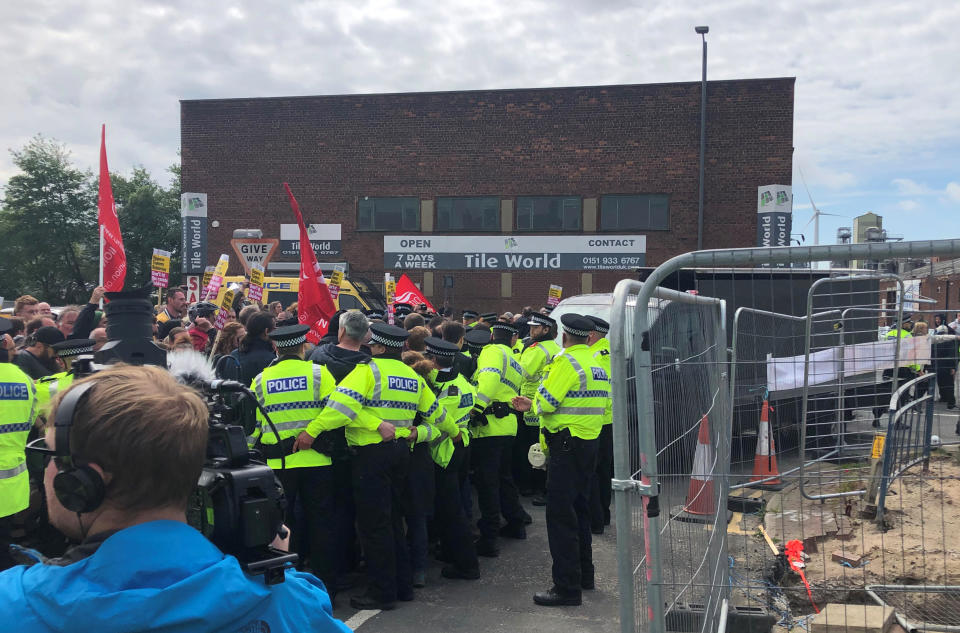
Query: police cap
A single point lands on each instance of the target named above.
(402, 309)
(541, 319)
(289, 335)
(440, 347)
(599, 325)
(476, 339)
(374, 314)
(505, 327)
(389, 335)
(470, 314)
(74, 347)
(576, 325)
(489, 317)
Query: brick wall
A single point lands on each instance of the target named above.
(558, 141)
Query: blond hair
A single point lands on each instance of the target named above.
(145, 429)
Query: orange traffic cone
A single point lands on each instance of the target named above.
(765, 459)
(699, 506)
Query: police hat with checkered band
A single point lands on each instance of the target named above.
(505, 327)
(470, 314)
(476, 339)
(541, 319)
(374, 314)
(440, 347)
(576, 325)
(74, 347)
(388, 335)
(599, 325)
(489, 317)
(402, 309)
(289, 335)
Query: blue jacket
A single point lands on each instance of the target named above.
(160, 576)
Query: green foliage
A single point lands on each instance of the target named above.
(49, 223)
(48, 219)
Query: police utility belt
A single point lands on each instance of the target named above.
(557, 440)
(496, 409)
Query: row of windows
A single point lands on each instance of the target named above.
(646, 212)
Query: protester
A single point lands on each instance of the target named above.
(138, 565)
(99, 337)
(255, 350)
(38, 358)
(26, 307)
(226, 342)
(418, 335)
(67, 319)
(413, 320)
(176, 307)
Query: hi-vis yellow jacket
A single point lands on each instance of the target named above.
(575, 395)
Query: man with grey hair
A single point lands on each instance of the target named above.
(340, 359)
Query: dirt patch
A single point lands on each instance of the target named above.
(919, 543)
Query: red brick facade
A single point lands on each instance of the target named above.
(586, 141)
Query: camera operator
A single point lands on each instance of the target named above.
(125, 452)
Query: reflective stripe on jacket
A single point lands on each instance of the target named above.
(456, 397)
(535, 361)
(601, 356)
(498, 377)
(293, 392)
(18, 411)
(383, 390)
(575, 395)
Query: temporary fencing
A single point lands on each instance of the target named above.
(776, 378)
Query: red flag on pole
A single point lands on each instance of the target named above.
(407, 292)
(113, 259)
(315, 306)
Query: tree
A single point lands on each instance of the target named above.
(48, 220)
(149, 218)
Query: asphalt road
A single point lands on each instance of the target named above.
(502, 599)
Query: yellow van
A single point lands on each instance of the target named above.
(355, 293)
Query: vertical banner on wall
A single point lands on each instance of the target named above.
(774, 215)
(193, 217)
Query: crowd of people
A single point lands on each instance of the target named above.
(393, 442)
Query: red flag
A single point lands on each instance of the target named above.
(407, 292)
(315, 306)
(113, 259)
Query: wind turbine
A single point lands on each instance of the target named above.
(816, 213)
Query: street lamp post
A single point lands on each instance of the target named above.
(702, 31)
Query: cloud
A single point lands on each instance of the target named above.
(908, 205)
(860, 108)
(908, 187)
(953, 191)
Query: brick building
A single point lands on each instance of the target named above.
(610, 173)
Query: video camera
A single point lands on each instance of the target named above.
(238, 503)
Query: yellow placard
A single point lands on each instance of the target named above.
(555, 291)
(226, 300)
(878, 442)
(256, 276)
(160, 261)
(207, 276)
(336, 278)
(222, 266)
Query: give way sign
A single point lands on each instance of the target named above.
(254, 251)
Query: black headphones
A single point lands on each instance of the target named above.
(78, 488)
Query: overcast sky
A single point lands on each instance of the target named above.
(877, 118)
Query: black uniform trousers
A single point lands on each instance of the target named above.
(945, 384)
(379, 481)
(456, 543)
(600, 489)
(345, 517)
(526, 477)
(569, 473)
(496, 491)
(313, 487)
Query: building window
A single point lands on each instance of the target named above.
(468, 214)
(548, 213)
(388, 214)
(648, 212)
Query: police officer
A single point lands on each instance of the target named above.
(18, 412)
(494, 427)
(374, 314)
(474, 341)
(456, 395)
(487, 319)
(600, 494)
(535, 359)
(293, 392)
(49, 386)
(470, 318)
(572, 402)
(377, 403)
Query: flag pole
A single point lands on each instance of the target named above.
(101, 263)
